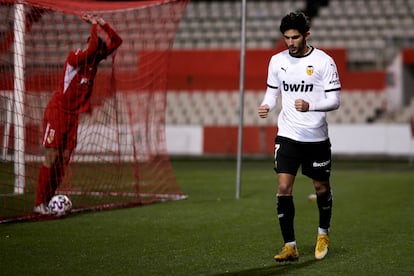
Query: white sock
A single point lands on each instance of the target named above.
(323, 231)
(293, 244)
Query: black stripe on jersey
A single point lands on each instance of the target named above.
(332, 90)
(270, 86)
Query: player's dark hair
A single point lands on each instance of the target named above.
(296, 21)
(101, 49)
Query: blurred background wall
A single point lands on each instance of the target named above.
(371, 41)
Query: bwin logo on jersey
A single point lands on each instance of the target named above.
(297, 87)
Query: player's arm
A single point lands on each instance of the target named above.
(77, 57)
(272, 91)
(332, 99)
(269, 101)
(115, 39)
(331, 102)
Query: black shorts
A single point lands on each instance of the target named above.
(314, 157)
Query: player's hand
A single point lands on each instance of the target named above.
(89, 18)
(301, 105)
(100, 21)
(263, 111)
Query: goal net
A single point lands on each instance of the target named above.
(121, 157)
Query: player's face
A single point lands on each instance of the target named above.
(295, 42)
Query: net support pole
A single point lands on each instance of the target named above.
(19, 87)
(241, 86)
(7, 95)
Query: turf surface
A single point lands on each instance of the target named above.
(212, 233)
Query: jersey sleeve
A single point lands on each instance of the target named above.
(272, 89)
(330, 102)
(115, 39)
(331, 76)
(332, 87)
(75, 58)
(272, 79)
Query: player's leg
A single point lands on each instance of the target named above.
(56, 174)
(286, 207)
(67, 145)
(318, 167)
(286, 166)
(44, 191)
(51, 160)
(324, 202)
(52, 138)
(58, 170)
(286, 215)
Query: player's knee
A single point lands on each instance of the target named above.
(321, 187)
(284, 189)
(50, 157)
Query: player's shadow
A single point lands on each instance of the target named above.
(282, 268)
(272, 270)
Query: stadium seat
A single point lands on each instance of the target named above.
(337, 24)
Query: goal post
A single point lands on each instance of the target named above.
(18, 100)
(121, 156)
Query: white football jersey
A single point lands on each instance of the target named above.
(310, 78)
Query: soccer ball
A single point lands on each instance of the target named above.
(60, 205)
(312, 197)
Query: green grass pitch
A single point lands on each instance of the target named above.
(212, 233)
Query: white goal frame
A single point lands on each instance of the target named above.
(14, 101)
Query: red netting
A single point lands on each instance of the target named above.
(121, 157)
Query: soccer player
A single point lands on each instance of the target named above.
(306, 80)
(61, 117)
